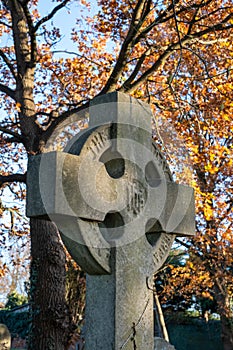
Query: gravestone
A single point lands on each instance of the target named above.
(5, 338)
(113, 199)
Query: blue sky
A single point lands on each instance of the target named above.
(65, 19)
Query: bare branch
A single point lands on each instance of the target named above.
(12, 178)
(210, 42)
(78, 55)
(164, 17)
(160, 19)
(207, 15)
(193, 20)
(6, 90)
(206, 69)
(8, 63)
(12, 133)
(145, 10)
(171, 48)
(6, 24)
(134, 35)
(51, 14)
(10, 140)
(134, 27)
(177, 28)
(180, 44)
(184, 244)
(135, 71)
(161, 60)
(58, 120)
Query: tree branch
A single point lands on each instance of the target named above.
(206, 69)
(58, 120)
(193, 20)
(12, 133)
(5, 24)
(8, 63)
(186, 39)
(12, 178)
(184, 244)
(78, 55)
(161, 60)
(177, 27)
(51, 14)
(159, 19)
(135, 71)
(20, 36)
(31, 32)
(208, 15)
(24, 2)
(132, 38)
(11, 140)
(164, 17)
(135, 25)
(6, 90)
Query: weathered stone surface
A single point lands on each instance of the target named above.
(162, 344)
(121, 304)
(54, 187)
(5, 338)
(112, 197)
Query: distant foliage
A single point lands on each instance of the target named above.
(15, 299)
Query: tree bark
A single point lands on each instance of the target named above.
(226, 321)
(51, 323)
(50, 315)
(225, 312)
(227, 332)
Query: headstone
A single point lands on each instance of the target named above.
(5, 338)
(112, 196)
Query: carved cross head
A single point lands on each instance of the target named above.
(111, 187)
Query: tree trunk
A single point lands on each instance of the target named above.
(227, 323)
(225, 312)
(227, 332)
(50, 316)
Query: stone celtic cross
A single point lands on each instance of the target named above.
(113, 199)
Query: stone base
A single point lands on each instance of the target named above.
(162, 344)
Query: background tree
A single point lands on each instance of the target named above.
(207, 133)
(175, 55)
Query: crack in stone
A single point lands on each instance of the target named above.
(133, 334)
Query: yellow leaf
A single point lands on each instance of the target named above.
(208, 212)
